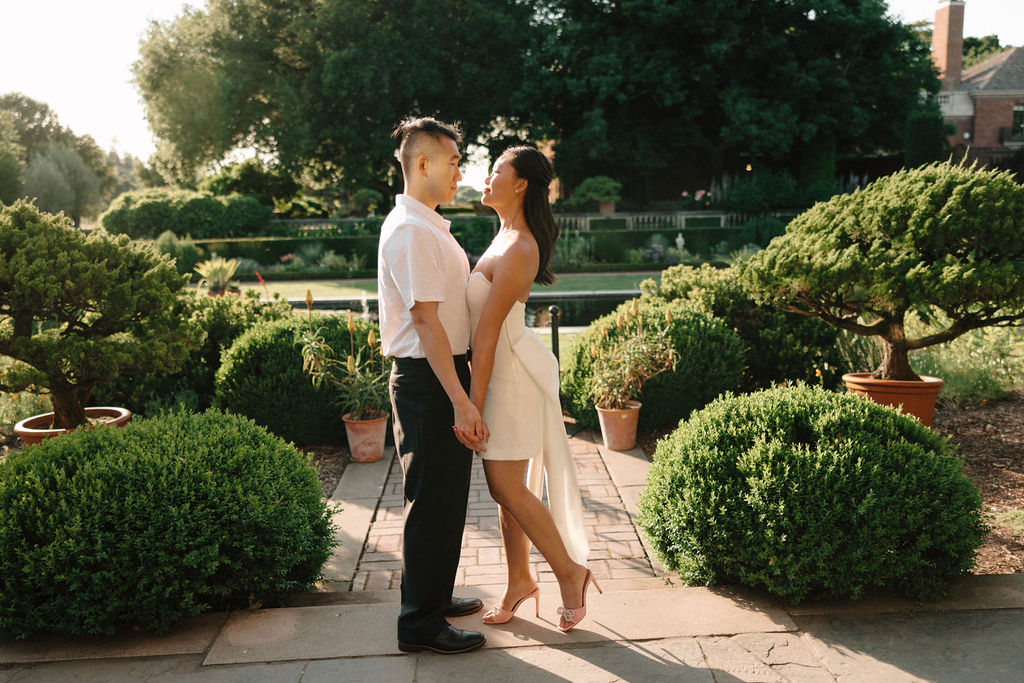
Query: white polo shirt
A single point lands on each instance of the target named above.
(418, 259)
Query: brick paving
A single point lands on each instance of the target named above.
(615, 548)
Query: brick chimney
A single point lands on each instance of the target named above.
(948, 42)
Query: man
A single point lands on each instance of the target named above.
(424, 324)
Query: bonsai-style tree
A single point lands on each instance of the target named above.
(940, 237)
(76, 310)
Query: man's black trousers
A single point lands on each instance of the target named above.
(436, 470)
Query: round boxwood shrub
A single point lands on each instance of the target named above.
(780, 346)
(141, 526)
(261, 377)
(710, 360)
(222, 319)
(806, 492)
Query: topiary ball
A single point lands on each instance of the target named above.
(144, 525)
(710, 360)
(806, 492)
(261, 377)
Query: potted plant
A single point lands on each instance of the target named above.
(600, 189)
(216, 274)
(360, 381)
(78, 310)
(620, 368)
(943, 238)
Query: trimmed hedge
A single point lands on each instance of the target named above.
(141, 526)
(148, 213)
(780, 347)
(261, 377)
(222, 319)
(710, 361)
(810, 493)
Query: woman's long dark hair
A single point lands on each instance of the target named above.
(536, 170)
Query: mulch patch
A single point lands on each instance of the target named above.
(331, 461)
(990, 438)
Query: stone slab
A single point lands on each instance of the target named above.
(365, 670)
(180, 669)
(626, 468)
(364, 480)
(950, 646)
(358, 492)
(994, 591)
(668, 660)
(369, 630)
(352, 524)
(192, 636)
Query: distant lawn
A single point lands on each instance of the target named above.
(354, 289)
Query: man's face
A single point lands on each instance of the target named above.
(443, 173)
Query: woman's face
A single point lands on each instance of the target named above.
(503, 187)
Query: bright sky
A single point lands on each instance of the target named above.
(76, 57)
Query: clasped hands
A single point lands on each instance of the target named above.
(470, 428)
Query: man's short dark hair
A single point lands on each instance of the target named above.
(410, 130)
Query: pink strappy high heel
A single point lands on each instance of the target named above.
(497, 615)
(576, 614)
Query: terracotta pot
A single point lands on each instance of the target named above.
(606, 207)
(34, 429)
(366, 437)
(618, 426)
(914, 398)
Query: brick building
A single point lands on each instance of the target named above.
(985, 102)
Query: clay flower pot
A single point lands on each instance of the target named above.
(366, 437)
(33, 430)
(618, 426)
(914, 398)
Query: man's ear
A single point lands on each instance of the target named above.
(422, 164)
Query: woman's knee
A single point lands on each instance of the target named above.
(506, 493)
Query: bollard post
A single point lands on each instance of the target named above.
(553, 310)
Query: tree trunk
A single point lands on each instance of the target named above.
(68, 408)
(895, 358)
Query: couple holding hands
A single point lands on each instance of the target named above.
(432, 312)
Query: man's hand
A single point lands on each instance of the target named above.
(470, 428)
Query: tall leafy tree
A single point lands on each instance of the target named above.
(11, 154)
(320, 85)
(635, 88)
(59, 179)
(39, 133)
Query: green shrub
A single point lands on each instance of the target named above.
(261, 376)
(182, 249)
(710, 360)
(222, 319)
(163, 519)
(779, 346)
(806, 493)
(980, 365)
(147, 213)
(760, 230)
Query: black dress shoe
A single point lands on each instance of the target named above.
(460, 607)
(450, 641)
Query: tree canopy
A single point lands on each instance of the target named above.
(627, 89)
(320, 85)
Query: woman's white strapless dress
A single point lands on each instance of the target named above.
(524, 416)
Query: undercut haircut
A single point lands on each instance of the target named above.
(411, 132)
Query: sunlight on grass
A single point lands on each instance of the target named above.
(1012, 520)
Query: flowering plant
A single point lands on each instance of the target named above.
(632, 355)
(361, 381)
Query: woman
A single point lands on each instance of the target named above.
(515, 387)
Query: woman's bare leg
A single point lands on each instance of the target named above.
(517, 559)
(506, 480)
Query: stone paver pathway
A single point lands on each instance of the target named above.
(615, 548)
